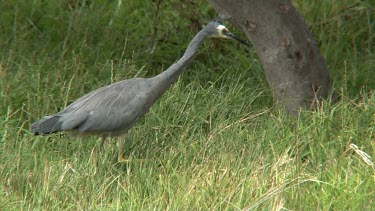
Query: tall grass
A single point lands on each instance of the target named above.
(213, 141)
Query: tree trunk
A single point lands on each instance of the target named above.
(295, 71)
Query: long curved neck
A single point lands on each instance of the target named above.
(165, 79)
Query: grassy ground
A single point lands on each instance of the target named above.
(214, 140)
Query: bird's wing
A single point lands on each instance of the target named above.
(113, 107)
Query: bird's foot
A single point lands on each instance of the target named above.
(121, 159)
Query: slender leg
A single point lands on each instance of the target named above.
(120, 157)
(101, 144)
(96, 152)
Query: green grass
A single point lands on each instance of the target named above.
(214, 141)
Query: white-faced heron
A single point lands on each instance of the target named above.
(113, 109)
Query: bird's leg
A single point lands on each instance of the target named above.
(96, 152)
(120, 156)
(101, 144)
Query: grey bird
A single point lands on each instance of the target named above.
(112, 110)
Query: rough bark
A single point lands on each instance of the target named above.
(295, 70)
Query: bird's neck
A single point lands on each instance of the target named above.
(165, 79)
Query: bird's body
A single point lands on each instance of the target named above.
(113, 109)
(108, 111)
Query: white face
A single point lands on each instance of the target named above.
(220, 30)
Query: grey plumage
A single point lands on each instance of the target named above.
(108, 111)
(113, 109)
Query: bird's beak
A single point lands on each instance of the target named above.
(234, 37)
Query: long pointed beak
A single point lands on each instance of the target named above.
(234, 37)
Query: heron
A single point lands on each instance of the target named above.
(110, 111)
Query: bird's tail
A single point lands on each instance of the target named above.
(46, 125)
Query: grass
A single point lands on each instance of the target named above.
(214, 141)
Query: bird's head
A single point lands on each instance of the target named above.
(216, 29)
